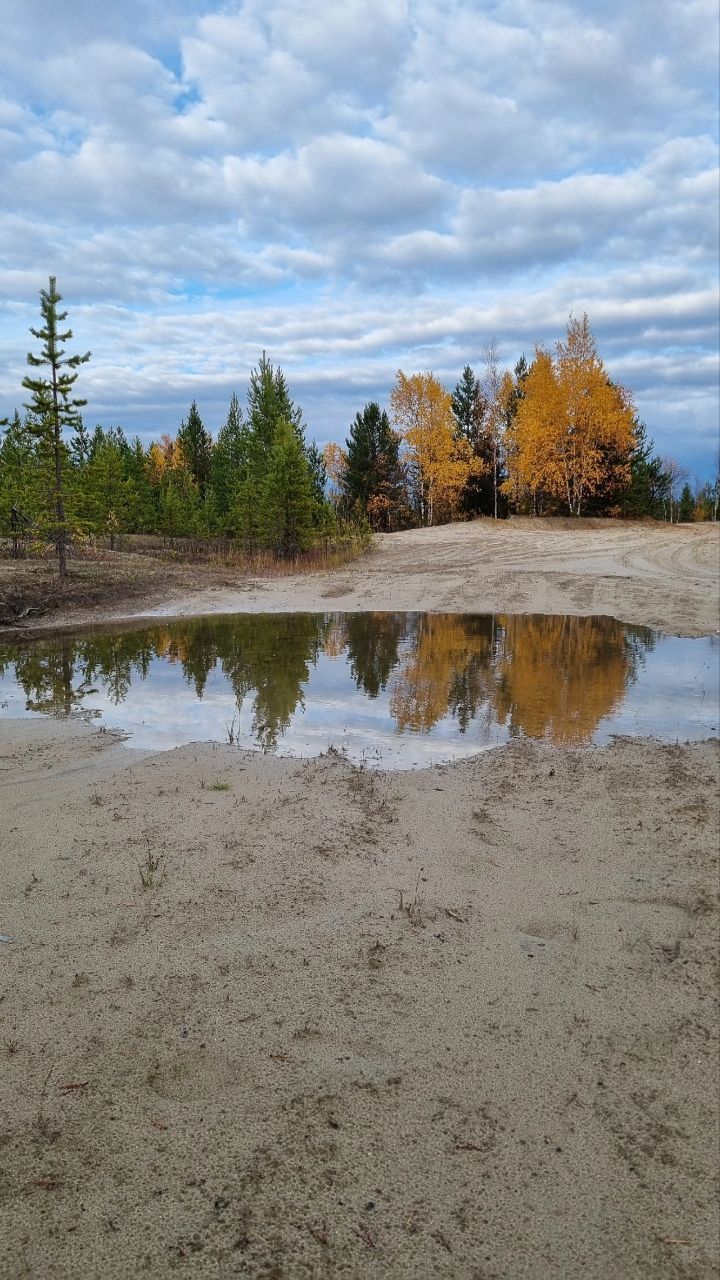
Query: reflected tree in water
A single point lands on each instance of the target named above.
(373, 640)
(558, 677)
(550, 677)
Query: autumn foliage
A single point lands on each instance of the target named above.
(439, 463)
(573, 430)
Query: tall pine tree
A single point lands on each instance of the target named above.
(196, 444)
(52, 406)
(373, 477)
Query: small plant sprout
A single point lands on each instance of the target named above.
(152, 866)
(413, 908)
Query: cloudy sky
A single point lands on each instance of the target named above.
(357, 186)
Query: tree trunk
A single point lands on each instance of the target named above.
(59, 504)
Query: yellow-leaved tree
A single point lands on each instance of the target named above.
(438, 463)
(573, 430)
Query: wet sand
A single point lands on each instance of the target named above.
(283, 1018)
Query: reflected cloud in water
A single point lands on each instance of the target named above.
(406, 689)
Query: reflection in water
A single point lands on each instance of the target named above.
(460, 681)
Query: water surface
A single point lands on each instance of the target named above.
(402, 689)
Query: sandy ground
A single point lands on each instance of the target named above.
(276, 1018)
(659, 575)
(663, 576)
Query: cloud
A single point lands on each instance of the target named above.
(357, 187)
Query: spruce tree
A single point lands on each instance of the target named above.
(285, 500)
(467, 407)
(52, 406)
(649, 484)
(196, 444)
(373, 477)
(686, 509)
(230, 461)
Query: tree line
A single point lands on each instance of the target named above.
(555, 436)
(259, 483)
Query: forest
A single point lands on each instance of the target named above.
(555, 436)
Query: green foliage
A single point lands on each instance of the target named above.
(286, 498)
(373, 479)
(18, 473)
(196, 445)
(686, 509)
(229, 467)
(52, 408)
(468, 407)
(106, 500)
(650, 484)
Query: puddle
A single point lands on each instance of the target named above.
(400, 689)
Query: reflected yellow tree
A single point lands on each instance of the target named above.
(434, 676)
(558, 677)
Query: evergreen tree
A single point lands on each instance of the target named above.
(180, 505)
(268, 404)
(373, 475)
(318, 474)
(18, 476)
(144, 516)
(649, 485)
(107, 489)
(230, 461)
(686, 509)
(196, 444)
(285, 505)
(468, 409)
(52, 406)
(80, 446)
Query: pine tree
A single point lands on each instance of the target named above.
(230, 462)
(268, 404)
(285, 506)
(373, 477)
(196, 444)
(107, 489)
(649, 484)
(144, 516)
(18, 478)
(686, 509)
(318, 475)
(52, 407)
(80, 447)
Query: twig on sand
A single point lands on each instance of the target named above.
(438, 1235)
(362, 1232)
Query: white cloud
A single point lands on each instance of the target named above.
(357, 187)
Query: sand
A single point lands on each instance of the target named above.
(460, 1022)
(663, 576)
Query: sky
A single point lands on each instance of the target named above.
(358, 186)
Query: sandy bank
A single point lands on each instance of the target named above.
(663, 576)
(653, 575)
(452, 1023)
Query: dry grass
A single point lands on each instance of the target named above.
(146, 571)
